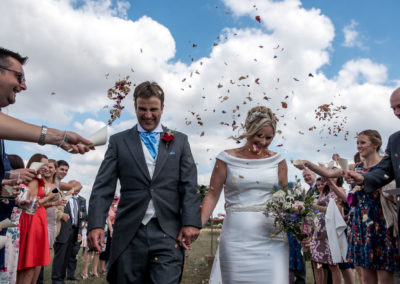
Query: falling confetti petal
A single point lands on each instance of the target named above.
(258, 19)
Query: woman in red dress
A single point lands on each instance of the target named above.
(34, 249)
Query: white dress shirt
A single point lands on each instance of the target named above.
(151, 165)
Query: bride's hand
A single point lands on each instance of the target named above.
(307, 242)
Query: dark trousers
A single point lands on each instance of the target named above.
(62, 252)
(41, 276)
(72, 261)
(300, 276)
(151, 257)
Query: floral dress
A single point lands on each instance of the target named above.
(320, 250)
(371, 244)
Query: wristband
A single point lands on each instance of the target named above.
(42, 135)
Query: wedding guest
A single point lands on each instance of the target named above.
(336, 186)
(84, 239)
(69, 228)
(387, 169)
(372, 245)
(12, 81)
(54, 197)
(12, 246)
(320, 250)
(105, 255)
(34, 244)
(94, 256)
(72, 260)
(53, 194)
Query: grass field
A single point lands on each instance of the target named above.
(197, 263)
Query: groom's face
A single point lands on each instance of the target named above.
(148, 112)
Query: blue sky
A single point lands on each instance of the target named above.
(350, 47)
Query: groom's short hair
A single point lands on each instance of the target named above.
(148, 89)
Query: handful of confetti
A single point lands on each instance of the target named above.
(117, 93)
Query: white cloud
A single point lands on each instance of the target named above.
(352, 37)
(71, 50)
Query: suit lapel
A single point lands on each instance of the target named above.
(134, 144)
(162, 154)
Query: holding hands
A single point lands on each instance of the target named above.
(187, 236)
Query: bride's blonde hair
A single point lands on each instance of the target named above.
(257, 118)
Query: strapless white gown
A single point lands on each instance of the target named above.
(247, 252)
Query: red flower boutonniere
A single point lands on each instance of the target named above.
(168, 137)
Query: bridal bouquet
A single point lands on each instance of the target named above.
(293, 212)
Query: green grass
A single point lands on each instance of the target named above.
(196, 271)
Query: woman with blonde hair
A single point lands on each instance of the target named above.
(249, 251)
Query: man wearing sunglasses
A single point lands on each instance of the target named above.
(12, 81)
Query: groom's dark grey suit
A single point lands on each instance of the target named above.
(173, 190)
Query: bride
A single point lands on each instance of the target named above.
(249, 250)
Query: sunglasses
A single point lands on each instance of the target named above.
(20, 76)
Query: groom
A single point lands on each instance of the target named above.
(159, 206)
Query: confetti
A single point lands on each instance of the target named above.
(117, 93)
(258, 19)
(284, 105)
(234, 179)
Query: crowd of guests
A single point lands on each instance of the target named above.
(56, 220)
(370, 219)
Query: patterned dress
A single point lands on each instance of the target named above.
(371, 244)
(320, 250)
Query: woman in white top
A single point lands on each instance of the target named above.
(248, 252)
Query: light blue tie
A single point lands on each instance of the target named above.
(149, 139)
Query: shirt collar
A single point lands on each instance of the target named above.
(158, 129)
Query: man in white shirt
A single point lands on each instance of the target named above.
(159, 210)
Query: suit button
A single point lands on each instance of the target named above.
(151, 189)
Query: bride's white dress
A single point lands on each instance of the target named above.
(248, 252)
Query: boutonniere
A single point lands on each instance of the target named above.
(168, 137)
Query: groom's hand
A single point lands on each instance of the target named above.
(187, 236)
(96, 239)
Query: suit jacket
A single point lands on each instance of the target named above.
(388, 168)
(66, 229)
(82, 212)
(173, 187)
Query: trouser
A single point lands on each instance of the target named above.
(72, 261)
(151, 257)
(62, 252)
(41, 276)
